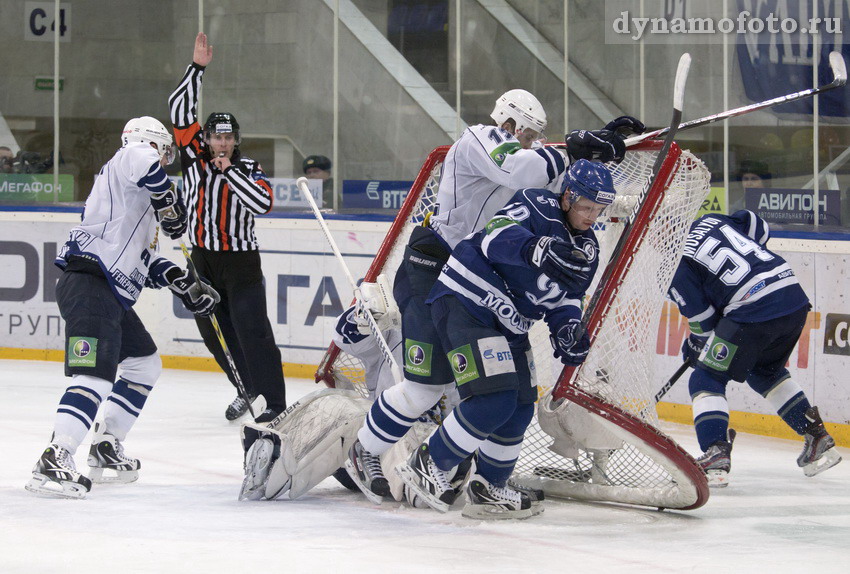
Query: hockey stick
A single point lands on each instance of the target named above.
(240, 387)
(839, 73)
(672, 381)
(301, 182)
(607, 287)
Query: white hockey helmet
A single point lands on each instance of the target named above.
(523, 108)
(150, 130)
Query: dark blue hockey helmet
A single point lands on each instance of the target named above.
(589, 179)
(751, 225)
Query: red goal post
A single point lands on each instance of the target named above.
(621, 455)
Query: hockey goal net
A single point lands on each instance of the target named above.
(613, 449)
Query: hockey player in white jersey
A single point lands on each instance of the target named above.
(107, 261)
(534, 260)
(482, 170)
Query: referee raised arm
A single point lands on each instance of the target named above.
(224, 191)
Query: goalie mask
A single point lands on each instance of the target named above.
(589, 179)
(149, 130)
(524, 109)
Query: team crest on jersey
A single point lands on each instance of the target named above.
(590, 250)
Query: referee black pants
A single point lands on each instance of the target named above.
(243, 318)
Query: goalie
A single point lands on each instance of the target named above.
(308, 442)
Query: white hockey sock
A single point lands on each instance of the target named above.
(394, 412)
(128, 396)
(77, 410)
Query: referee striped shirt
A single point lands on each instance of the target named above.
(221, 205)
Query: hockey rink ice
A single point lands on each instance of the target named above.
(182, 515)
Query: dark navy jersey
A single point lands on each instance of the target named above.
(726, 273)
(489, 274)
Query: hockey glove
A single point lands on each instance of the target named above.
(198, 296)
(170, 212)
(626, 126)
(561, 261)
(377, 298)
(692, 348)
(597, 145)
(571, 343)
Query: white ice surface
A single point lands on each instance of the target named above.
(182, 515)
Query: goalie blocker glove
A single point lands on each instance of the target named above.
(571, 343)
(170, 212)
(561, 261)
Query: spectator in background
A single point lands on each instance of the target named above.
(7, 159)
(751, 174)
(319, 167)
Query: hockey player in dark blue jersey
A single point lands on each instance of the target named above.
(746, 311)
(533, 260)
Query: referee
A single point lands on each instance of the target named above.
(224, 190)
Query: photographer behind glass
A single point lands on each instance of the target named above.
(23, 162)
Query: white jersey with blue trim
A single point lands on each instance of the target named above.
(481, 172)
(119, 227)
(488, 272)
(724, 272)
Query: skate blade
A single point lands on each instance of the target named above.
(488, 512)
(717, 478)
(99, 475)
(411, 479)
(352, 472)
(827, 460)
(42, 485)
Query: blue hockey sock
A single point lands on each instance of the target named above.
(469, 425)
(498, 455)
(710, 408)
(790, 403)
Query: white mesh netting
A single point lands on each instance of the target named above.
(619, 368)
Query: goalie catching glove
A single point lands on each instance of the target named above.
(377, 299)
(561, 261)
(170, 212)
(571, 343)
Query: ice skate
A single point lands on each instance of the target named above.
(427, 481)
(236, 409)
(258, 462)
(819, 452)
(108, 462)
(457, 478)
(535, 495)
(56, 475)
(486, 501)
(716, 462)
(365, 470)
